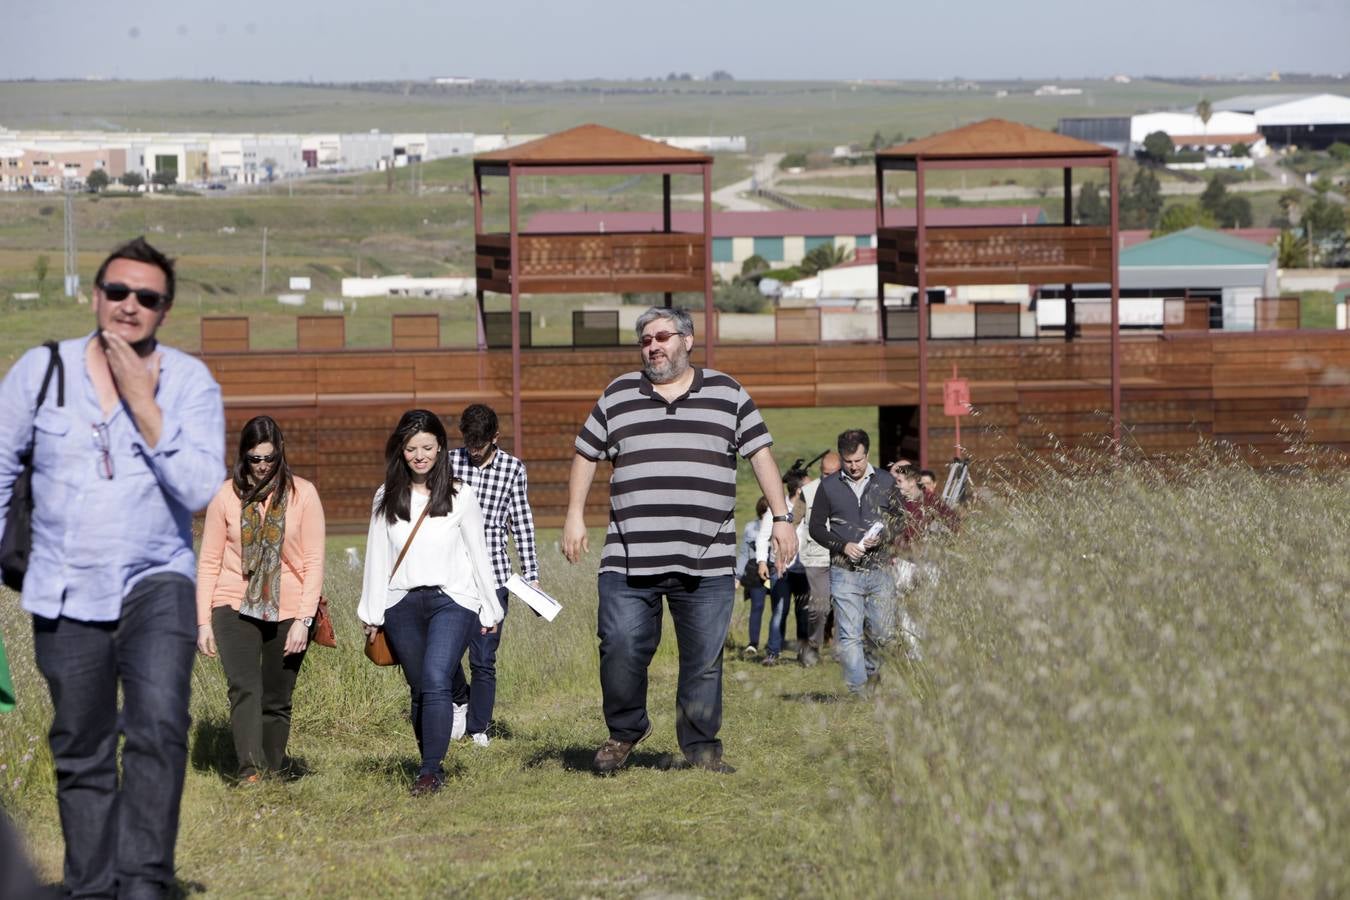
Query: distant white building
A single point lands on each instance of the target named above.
(425, 146)
(1054, 90)
(1189, 124)
(346, 152)
(255, 158)
(709, 144)
(1315, 121)
(407, 286)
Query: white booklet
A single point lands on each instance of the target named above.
(536, 599)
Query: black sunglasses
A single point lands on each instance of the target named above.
(151, 300)
(256, 459)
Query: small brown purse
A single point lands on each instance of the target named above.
(378, 650)
(324, 635)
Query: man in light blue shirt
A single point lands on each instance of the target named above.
(123, 456)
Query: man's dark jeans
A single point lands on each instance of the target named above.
(261, 676)
(755, 593)
(630, 630)
(481, 694)
(121, 841)
(429, 632)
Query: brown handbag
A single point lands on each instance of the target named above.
(378, 650)
(324, 635)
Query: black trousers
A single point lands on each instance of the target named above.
(261, 680)
(120, 838)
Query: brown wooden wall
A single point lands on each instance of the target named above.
(338, 407)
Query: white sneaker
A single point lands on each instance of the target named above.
(481, 738)
(459, 720)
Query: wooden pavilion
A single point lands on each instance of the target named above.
(516, 263)
(920, 256)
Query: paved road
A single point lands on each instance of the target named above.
(763, 174)
(1285, 179)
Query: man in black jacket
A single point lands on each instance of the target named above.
(853, 512)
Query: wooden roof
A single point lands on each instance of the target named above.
(592, 145)
(994, 139)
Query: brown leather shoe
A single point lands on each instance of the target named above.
(427, 784)
(613, 754)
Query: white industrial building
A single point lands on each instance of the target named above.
(1188, 123)
(709, 144)
(1315, 121)
(425, 146)
(254, 159)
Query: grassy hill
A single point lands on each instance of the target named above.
(1128, 686)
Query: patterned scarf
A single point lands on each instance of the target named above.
(261, 533)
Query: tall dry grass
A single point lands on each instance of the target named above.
(1133, 683)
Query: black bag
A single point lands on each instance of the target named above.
(17, 543)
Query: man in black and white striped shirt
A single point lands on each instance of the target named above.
(498, 480)
(673, 432)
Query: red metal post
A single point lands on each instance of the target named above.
(517, 427)
(709, 353)
(479, 326)
(922, 239)
(665, 220)
(881, 220)
(1068, 288)
(1115, 304)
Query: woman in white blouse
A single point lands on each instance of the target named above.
(429, 603)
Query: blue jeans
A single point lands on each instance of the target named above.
(630, 631)
(755, 593)
(429, 632)
(864, 615)
(780, 596)
(120, 839)
(481, 695)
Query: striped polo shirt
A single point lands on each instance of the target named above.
(672, 496)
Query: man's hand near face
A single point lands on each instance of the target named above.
(136, 378)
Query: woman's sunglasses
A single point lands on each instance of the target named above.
(151, 300)
(255, 459)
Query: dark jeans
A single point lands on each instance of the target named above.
(261, 679)
(481, 695)
(800, 589)
(120, 840)
(429, 632)
(756, 593)
(630, 631)
(779, 597)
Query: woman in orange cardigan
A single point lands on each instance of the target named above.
(259, 576)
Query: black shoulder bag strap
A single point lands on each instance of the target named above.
(55, 367)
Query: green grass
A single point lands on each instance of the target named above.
(1132, 684)
(777, 115)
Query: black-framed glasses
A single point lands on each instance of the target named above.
(659, 338)
(257, 459)
(151, 300)
(103, 444)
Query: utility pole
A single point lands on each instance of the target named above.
(263, 288)
(72, 279)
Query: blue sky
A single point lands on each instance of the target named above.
(788, 39)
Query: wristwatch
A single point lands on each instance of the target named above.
(785, 517)
(307, 621)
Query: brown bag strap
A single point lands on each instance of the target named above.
(408, 543)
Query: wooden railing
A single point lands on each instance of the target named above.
(1031, 254)
(614, 262)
